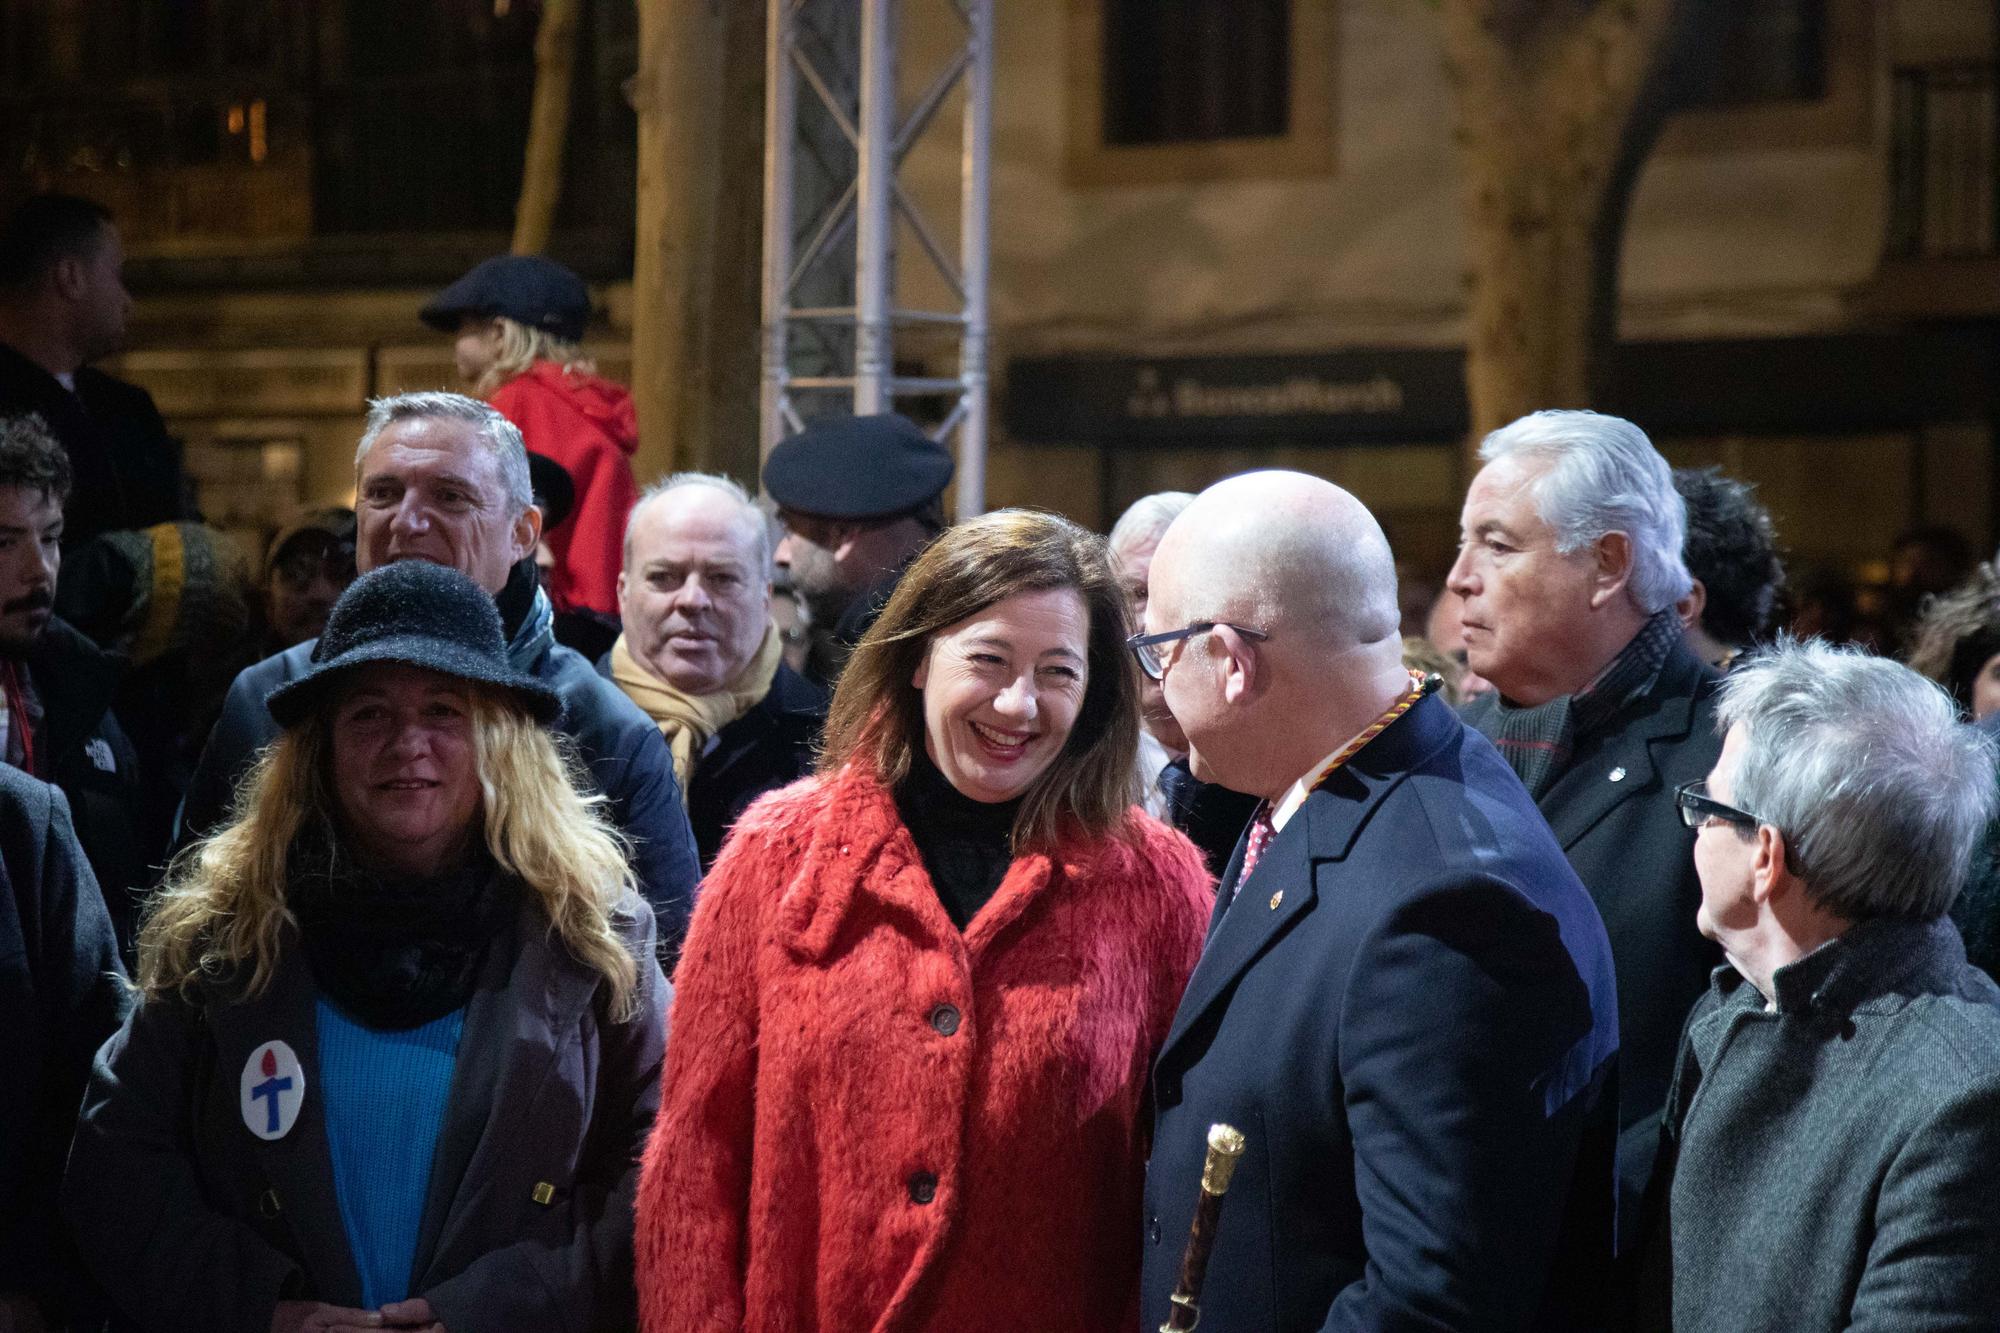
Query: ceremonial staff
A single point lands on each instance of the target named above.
(1225, 1146)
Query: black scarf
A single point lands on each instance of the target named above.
(396, 951)
(1538, 742)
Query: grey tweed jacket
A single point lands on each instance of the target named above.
(1835, 1164)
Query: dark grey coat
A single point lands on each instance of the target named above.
(61, 994)
(193, 1222)
(1613, 812)
(1832, 1165)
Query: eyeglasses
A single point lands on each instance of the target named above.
(1697, 807)
(1146, 647)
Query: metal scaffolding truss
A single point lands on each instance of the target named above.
(856, 340)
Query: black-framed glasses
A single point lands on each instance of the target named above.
(1697, 807)
(1146, 647)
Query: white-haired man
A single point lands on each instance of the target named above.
(444, 478)
(1405, 1001)
(1835, 1116)
(1213, 817)
(1570, 567)
(700, 655)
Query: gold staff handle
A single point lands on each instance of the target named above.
(1225, 1149)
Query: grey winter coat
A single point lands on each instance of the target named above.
(194, 1222)
(1831, 1165)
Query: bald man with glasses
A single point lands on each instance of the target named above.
(1405, 1002)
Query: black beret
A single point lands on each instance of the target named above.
(527, 289)
(418, 614)
(555, 493)
(858, 467)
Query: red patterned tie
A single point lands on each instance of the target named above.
(1262, 830)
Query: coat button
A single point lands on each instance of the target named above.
(945, 1019)
(1153, 1230)
(923, 1187)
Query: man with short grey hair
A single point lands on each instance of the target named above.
(444, 478)
(1213, 817)
(1836, 1104)
(1570, 568)
(700, 655)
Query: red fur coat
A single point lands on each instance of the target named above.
(872, 1122)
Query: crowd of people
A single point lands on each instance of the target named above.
(527, 899)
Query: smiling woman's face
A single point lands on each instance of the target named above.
(404, 774)
(1002, 690)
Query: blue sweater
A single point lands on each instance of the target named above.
(385, 1095)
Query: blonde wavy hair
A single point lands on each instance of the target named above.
(222, 908)
(521, 346)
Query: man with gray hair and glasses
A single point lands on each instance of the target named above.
(1828, 1151)
(1570, 568)
(444, 478)
(1212, 816)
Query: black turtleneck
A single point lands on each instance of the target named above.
(966, 845)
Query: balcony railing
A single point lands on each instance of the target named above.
(1944, 160)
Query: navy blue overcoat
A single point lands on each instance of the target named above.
(1409, 1011)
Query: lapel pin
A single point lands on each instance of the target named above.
(271, 1090)
(1277, 898)
(1618, 774)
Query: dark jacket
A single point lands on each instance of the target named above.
(769, 747)
(193, 1222)
(127, 469)
(619, 745)
(1212, 816)
(1409, 1014)
(81, 748)
(1830, 1165)
(1976, 910)
(61, 993)
(830, 645)
(1613, 812)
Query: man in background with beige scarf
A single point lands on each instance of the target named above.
(700, 655)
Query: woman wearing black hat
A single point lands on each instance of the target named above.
(400, 1025)
(519, 320)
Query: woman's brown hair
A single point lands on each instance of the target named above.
(877, 716)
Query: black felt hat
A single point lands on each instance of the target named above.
(858, 467)
(527, 289)
(554, 491)
(417, 614)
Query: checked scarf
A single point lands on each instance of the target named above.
(1538, 742)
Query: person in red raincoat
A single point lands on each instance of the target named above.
(518, 321)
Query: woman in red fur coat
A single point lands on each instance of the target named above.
(923, 989)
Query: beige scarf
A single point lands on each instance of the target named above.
(689, 720)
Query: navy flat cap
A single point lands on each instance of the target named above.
(527, 289)
(411, 613)
(858, 467)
